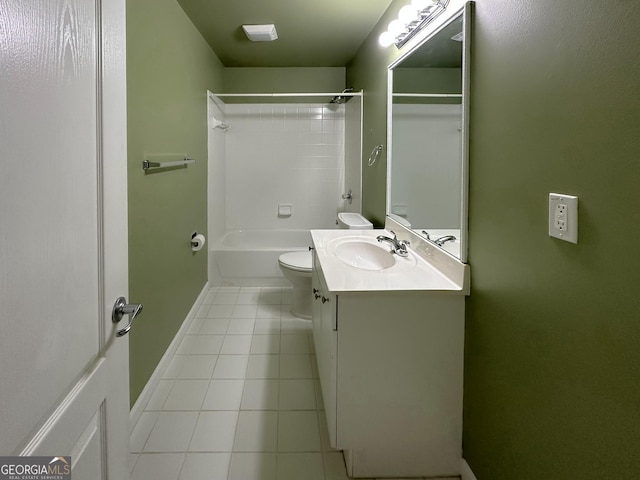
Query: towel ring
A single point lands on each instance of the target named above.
(375, 154)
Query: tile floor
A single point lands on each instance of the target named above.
(240, 400)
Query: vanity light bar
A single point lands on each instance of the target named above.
(411, 19)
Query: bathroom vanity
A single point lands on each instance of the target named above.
(389, 334)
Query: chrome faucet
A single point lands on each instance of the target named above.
(442, 240)
(399, 247)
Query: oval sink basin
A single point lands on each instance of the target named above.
(364, 255)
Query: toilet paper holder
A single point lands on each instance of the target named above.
(197, 241)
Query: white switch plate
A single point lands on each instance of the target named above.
(563, 217)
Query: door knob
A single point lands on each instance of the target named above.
(122, 308)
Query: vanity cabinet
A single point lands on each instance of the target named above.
(391, 366)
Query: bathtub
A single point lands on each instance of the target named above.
(250, 257)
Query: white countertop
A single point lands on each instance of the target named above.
(415, 273)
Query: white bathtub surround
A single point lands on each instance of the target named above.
(283, 153)
(250, 257)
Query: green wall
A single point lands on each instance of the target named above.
(553, 332)
(283, 80)
(169, 69)
(368, 71)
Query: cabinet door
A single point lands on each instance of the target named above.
(316, 308)
(329, 383)
(325, 341)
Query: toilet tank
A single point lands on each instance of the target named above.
(353, 220)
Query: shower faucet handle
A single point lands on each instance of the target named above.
(348, 196)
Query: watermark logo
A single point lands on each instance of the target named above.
(35, 468)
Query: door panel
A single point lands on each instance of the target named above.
(63, 251)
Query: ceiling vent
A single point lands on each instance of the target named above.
(260, 33)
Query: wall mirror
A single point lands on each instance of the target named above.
(428, 99)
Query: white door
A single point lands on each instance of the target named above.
(63, 233)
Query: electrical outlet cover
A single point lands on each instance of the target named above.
(563, 217)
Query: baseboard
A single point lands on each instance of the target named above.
(465, 471)
(162, 366)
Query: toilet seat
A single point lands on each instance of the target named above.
(298, 261)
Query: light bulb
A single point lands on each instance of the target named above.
(408, 14)
(395, 27)
(386, 39)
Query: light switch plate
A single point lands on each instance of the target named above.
(563, 217)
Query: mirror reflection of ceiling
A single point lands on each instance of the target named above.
(311, 33)
(441, 51)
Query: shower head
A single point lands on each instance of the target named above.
(339, 99)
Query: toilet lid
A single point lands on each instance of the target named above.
(296, 260)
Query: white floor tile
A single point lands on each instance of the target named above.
(171, 432)
(244, 311)
(298, 432)
(194, 328)
(236, 345)
(264, 344)
(159, 395)
(214, 432)
(248, 297)
(260, 395)
(209, 466)
(269, 311)
(296, 466)
(200, 345)
(186, 395)
(158, 466)
(241, 326)
(257, 431)
(263, 366)
(298, 394)
(295, 366)
(294, 325)
(225, 298)
(231, 366)
(142, 430)
(267, 326)
(220, 311)
(244, 398)
(191, 366)
(253, 466)
(214, 326)
(209, 297)
(270, 298)
(298, 343)
(202, 311)
(224, 395)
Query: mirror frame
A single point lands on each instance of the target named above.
(429, 32)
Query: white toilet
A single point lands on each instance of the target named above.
(296, 267)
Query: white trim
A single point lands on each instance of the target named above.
(465, 471)
(151, 385)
